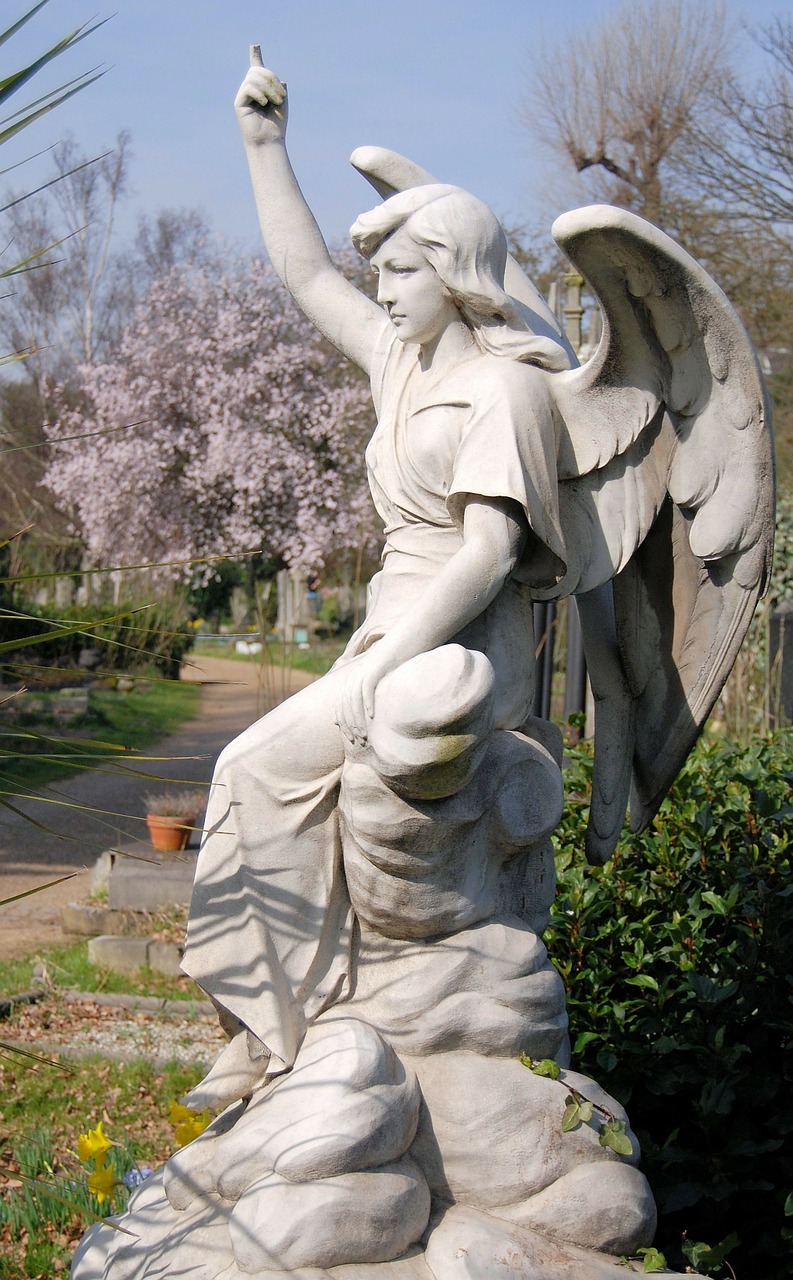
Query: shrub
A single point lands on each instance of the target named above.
(136, 637)
(678, 960)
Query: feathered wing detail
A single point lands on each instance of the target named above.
(666, 493)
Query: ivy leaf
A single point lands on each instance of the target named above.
(708, 990)
(654, 1260)
(715, 900)
(643, 980)
(543, 1067)
(709, 1257)
(614, 1137)
(682, 1196)
(572, 1115)
(717, 1097)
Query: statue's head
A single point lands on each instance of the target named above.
(464, 243)
(459, 237)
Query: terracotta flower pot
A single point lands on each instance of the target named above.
(169, 835)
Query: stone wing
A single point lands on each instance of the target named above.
(667, 493)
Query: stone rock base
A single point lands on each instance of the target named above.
(461, 1244)
(360, 1164)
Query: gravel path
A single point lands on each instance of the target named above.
(233, 695)
(119, 1027)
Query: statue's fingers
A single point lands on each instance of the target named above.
(263, 87)
(276, 89)
(256, 55)
(266, 81)
(352, 711)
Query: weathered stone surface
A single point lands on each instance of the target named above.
(376, 864)
(137, 885)
(469, 1245)
(357, 1217)
(116, 952)
(100, 876)
(89, 920)
(490, 1136)
(158, 1241)
(597, 1205)
(348, 1104)
(165, 957)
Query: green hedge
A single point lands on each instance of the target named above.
(135, 638)
(678, 960)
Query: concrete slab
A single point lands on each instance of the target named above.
(162, 880)
(113, 952)
(89, 921)
(166, 957)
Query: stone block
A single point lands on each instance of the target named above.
(114, 952)
(70, 704)
(100, 876)
(158, 882)
(88, 920)
(166, 957)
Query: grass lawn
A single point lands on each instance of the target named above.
(44, 1110)
(68, 968)
(42, 751)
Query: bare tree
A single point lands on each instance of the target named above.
(173, 238)
(746, 161)
(618, 103)
(60, 303)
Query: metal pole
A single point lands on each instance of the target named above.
(545, 633)
(575, 676)
(780, 653)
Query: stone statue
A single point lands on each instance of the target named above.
(377, 870)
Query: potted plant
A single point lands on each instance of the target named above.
(172, 816)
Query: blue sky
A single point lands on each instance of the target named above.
(439, 80)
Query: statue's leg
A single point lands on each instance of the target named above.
(269, 918)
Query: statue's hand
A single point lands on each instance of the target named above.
(261, 104)
(355, 707)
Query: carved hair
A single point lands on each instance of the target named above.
(465, 244)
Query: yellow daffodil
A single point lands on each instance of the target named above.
(188, 1124)
(93, 1144)
(100, 1182)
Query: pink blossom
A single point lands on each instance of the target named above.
(252, 432)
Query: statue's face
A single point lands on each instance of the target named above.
(417, 301)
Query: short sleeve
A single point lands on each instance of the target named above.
(508, 450)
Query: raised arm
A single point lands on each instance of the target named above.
(350, 320)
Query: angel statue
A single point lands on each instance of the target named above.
(376, 871)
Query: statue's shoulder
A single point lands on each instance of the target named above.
(499, 378)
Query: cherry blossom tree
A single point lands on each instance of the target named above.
(251, 432)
